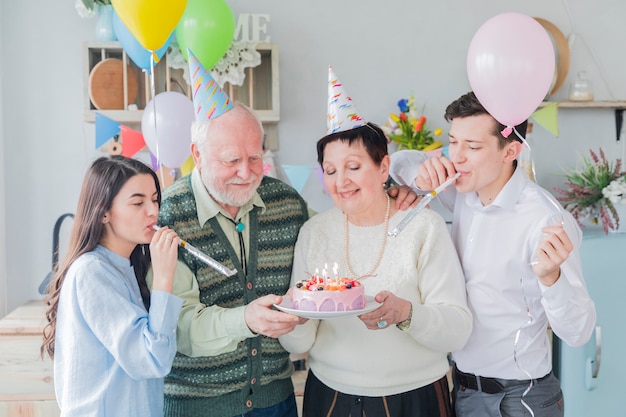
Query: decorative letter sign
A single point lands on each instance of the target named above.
(250, 27)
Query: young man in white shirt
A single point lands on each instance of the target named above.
(520, 254)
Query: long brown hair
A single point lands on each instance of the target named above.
(103, 181)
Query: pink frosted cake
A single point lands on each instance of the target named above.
(318, 294)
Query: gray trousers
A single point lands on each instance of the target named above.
(545, 399)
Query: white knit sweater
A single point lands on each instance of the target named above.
(420, 265)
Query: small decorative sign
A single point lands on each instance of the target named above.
(252, 27)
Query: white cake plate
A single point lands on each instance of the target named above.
(287, 307)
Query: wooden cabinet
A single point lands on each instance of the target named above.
(26, 380)
(133, 86)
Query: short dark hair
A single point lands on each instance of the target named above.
(370, 134)
(468, 105)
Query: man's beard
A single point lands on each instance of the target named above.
(223, 195)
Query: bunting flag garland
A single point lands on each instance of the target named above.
(187, 166)
(132, 141)
(154, 162)
(319, 173)
(439, 152)
(548, 118)
(298, 175)
(105, 129)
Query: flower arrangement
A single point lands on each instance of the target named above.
(408, 128)
(594, 190)
(89, 8)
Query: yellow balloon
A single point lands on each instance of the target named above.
(150, 21)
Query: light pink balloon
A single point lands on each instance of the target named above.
(166, 127)
(510, 66)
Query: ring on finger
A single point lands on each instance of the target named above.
(381, 323)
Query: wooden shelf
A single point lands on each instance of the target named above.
(134, 116)
(260, 90)
(615, 104)
(618, 106)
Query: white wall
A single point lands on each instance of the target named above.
(382, 51)
(3, 261)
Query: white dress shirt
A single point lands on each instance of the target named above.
(511, 308)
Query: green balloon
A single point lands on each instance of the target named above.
(207, 28)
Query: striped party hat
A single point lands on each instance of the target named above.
(209, 100)
(342, 114)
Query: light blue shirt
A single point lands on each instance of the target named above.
(110, 354)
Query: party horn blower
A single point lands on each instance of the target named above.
(204, 257)
(427, 199)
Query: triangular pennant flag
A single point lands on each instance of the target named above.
(154, 162)
(105, 129)
(187, 166)
(548, 118)
(439, 152)
(319, 173)
(298, 175)
(132, 141)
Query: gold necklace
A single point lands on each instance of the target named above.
(381, 251)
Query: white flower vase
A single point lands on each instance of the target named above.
(104, 26)
(621, 212)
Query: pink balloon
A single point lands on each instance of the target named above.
(166, 127)
(510, 66)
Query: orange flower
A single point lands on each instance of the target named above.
(408, 129)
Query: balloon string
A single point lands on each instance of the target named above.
(507, 131)
(522, 138)
(517, 336)
(154, 111)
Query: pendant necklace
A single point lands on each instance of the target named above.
(381, 251)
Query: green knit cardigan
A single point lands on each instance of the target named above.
(257, 374)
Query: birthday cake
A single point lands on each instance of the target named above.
(328, 294)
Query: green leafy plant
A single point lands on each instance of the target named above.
(89, 8)
(593, 190)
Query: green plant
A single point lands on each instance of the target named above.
(89, 8)
(584, 196)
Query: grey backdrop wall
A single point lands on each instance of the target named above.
(382, 51)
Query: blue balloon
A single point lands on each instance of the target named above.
(139, 55)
